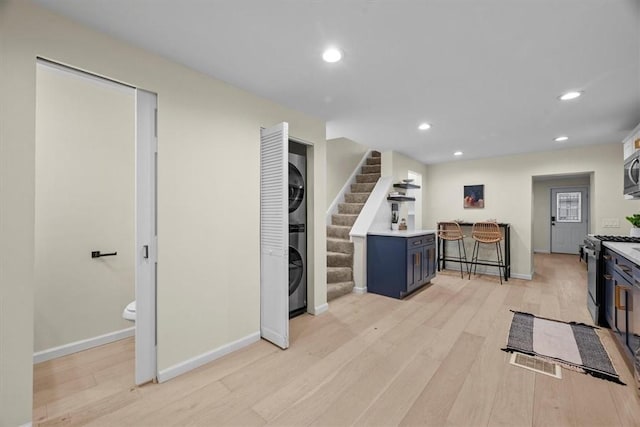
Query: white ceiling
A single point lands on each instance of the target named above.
(485, 73)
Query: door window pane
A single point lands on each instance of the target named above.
(569, 207)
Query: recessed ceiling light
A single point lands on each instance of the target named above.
(332, 54)
(458, 153)
(570, 95)
(424, 126)
(561, 138)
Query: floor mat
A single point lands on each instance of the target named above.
(572, 344)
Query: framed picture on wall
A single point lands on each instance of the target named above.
(473, 196)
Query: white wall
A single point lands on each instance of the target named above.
(398, 166)
(208, 136)
(343, 155)
(508, 191)
(85, 174)
(542, 208)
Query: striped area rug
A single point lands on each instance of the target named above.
(571, 344)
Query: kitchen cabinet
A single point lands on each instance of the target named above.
(398, 265)
(622, 295)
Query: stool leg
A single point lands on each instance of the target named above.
(475, 266)
(464, 251)
(460, 258)
(499, 256)
(473, 257)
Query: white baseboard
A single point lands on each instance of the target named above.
(320, 309)
(541, 251)
(74, 347)
(195, 362)
(29, 424)
(357, 290)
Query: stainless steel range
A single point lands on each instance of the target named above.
(595, 269)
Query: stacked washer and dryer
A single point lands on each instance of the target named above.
(297, 229)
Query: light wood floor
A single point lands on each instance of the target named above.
(433, 359)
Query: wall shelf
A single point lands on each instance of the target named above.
(401, 198)
(406, 186)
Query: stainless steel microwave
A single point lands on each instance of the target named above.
(632, 175)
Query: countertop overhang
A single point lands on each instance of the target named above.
(402, 233)
(627, 250)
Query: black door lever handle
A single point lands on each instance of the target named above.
(97, 254)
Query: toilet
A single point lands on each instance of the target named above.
(129, 311)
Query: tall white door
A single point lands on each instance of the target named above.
(274, 235)
(569, 219)
(146, 246)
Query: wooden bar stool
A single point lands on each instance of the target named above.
(487, 233)
(451, 231)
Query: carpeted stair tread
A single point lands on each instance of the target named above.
(356, 198)
(342, 246)
(371, 169)
(367, 177)
(338, 231)
(363, 187)
(350, 208)
(373, 160)
(339, 259)
(335, 290)
(375, 154)
(343, 219)
(339, 274)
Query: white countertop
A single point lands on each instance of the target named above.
(403, 233)
(626, 250)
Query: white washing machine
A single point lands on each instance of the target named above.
(297, 229)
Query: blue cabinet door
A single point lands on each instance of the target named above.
(414, 268)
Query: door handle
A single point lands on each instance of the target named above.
(629, 173)
(146, 251)
(98, 254)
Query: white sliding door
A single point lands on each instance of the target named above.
(146, 235)
(274, 234)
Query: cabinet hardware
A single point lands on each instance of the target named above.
(625, 269)
(607, 276)
(617, 297)
(146, 252)
(607, 257)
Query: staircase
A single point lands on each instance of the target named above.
(339, 248)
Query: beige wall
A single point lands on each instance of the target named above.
(208, 135)
(542, 208)
(343, 155)
(508, 191)
(85, 175)
(397, 165)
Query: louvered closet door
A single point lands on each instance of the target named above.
(274, 235)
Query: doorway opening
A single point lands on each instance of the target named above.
(561, 212)
(95, 232)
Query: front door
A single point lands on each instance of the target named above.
(569, 219)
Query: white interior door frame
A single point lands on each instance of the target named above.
(146, 152)
(146, 236)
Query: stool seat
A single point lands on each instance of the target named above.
(451, 231)
(487, 232)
